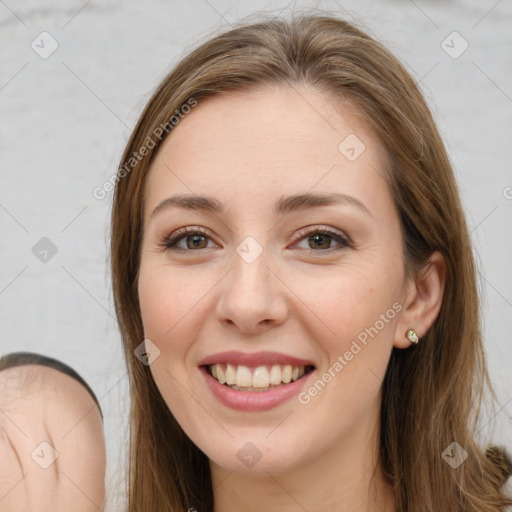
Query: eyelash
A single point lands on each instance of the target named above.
(170, 242)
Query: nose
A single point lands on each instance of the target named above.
(252, 297)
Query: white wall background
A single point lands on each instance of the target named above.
(64, 121)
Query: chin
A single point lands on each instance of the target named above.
(253, 454)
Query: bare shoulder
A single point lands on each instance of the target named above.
(52, 450)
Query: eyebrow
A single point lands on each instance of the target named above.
(284, 205)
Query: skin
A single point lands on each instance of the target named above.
(248, 149)
(40, 404)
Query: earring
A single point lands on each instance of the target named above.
(412, 336)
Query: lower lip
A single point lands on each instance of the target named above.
(256, 400)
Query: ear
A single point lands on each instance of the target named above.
(423, 299)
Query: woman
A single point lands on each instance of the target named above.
(295, 288)
(288, 239)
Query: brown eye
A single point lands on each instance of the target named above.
(321, 240)
(196, 242)
(187, 239)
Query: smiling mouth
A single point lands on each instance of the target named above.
(257, 378)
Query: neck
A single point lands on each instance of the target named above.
(345, 478)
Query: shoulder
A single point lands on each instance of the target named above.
(507, 491)
(50, 425)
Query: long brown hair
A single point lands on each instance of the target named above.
(432, 394)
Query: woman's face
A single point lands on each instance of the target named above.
(270, 282)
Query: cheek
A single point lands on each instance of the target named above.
(170, 306)
(166, 298)
(165, 303)
(174, 309)
(360, 310)
(352, 303)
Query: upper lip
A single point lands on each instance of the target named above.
(254, 359)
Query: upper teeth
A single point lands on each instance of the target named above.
(257, 377)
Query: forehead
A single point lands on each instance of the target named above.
(267, 140)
